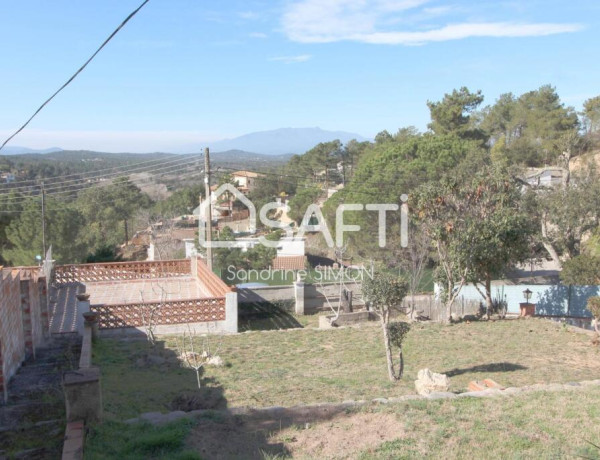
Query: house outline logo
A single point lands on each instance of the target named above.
(203, 211)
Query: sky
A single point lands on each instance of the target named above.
(184, 73)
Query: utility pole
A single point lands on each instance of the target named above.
(43, 221)
(208, 208)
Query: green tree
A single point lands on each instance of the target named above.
(384, 174)
(299, 203)
(317, 162)
(478, 225)
(593, 305)
(452, 115)
(107, 211)
(63, 225)
(581, 270)
(528, 128)
(181, 202)
(591, 112)
(385, 293)
(223, 258)
(565, 215)
(11, 205)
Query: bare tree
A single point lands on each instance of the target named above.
(193, 359)
(414, 261)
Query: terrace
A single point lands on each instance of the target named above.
(179, 291)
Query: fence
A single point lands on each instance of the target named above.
(139, 314)
(435, 310)
(121, 271)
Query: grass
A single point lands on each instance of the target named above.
(141, 441)
(308, 366)
(535, 425)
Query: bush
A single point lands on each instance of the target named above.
(398, 331)
(593, 305)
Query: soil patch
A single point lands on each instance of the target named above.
(315, 432)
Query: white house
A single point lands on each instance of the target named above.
(545, 177)
(246, 180)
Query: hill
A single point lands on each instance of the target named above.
(283, 141)
(16, 150)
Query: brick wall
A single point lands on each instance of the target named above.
(23, 319)
(12, 340)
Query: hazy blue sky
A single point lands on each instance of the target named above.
(185, 72)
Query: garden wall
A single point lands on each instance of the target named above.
(23, 319)
(550, 299)
(121, 271)
(216, 313)
(315, 296)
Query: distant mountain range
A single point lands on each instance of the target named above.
(283, 141)
(10, 150)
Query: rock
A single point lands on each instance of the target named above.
(152, 417)
(216, 361)
(429, 382)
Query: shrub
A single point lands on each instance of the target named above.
(593, 305)
(398, 331)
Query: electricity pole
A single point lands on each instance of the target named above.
(208, 208)
(43, 221)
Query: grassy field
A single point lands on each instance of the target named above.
(540, 425)
(530, 426)
(308, 366)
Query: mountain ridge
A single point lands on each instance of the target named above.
(283, 141)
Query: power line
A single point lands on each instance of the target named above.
(85, 182)
(173, 169)
(65, 206)
(93, 174)
(132, 14)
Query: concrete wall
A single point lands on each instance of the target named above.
(315, 296)
(550, 299)
(265, 294)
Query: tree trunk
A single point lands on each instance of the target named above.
(401, 369)
(388, 350)
(488, 295)
(548, 246)
(126, 233)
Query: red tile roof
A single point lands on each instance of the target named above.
(289, 263)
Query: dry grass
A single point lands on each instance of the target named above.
(308, 366)
(528, 426)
